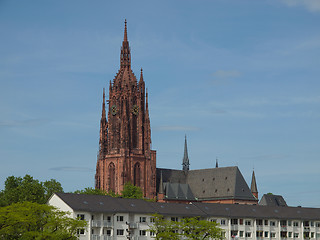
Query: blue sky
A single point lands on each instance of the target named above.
(239, 78)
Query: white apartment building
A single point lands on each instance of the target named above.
(117, 218)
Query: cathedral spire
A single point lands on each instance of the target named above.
(254, 188)
(103, 125)
(125, 57)
(141, 77)
(185, 161)
(125, 38)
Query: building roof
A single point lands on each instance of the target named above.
(207, 184)
(272, 200)
(106, 204)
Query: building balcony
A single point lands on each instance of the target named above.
(133, 225)
(99, 223)
(105, 237)
(95, 237)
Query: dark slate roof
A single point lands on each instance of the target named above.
(106, 204)
(209, 184)
(177, 209)
(98, 203)
(272, 200)
(178, 191)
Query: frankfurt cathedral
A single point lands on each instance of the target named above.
(125, 153)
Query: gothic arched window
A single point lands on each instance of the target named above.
(136, 177)
(112, 176)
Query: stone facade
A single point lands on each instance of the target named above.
(125, 134)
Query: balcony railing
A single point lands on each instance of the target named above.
(95, 237)
(101, 223)
(133, 225)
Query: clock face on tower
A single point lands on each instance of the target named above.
(113, 110)
(135, 109)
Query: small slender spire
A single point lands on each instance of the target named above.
(104, 105)
(217, 165)
(161, 190)
(125, 57)
(141, 77)
(254, 189)
(125, 37)
(185, 161)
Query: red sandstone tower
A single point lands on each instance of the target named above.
(125, 138)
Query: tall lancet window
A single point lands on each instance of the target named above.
(136, 177)
(112, 176)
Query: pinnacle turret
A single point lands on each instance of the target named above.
(254, 188)
(125, 57)
(185, 161)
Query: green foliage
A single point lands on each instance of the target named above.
(27, 220)
(164, 229)
(187, 228)
(95, 191)
(19, 189)
(131, 191)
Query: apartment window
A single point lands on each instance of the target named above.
(107, 232)
(80, 216)
(259, 233)
(248, 222)
(311, 224)
(306, 223)
(234, 221)
(317, 224)
(174, 219)
(143, 233)
(152, 219)
(119, 218)
(223, 222)
(241, 234)
(234, 233)
(259, 222)
(109, 218)
(283, 223)
(290, 234)
(266, 222)
(241, 221)
(266, 234)
(272, 223)
(296, 224)
(152, 234)
(312, 234)
(248, 234)
(80, 231)
(213, 220)
(296, 235)
(272, 234)
(143, 219)
(289, 223)
(120, 232)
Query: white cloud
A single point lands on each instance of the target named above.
(311, 5)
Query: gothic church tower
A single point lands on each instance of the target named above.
(125, 134)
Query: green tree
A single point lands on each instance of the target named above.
(188, 228)
(92, 191)
(51, 187)
(27, 220)
(197, 229)
(164, 229)
(131, 191)
(19, 189)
